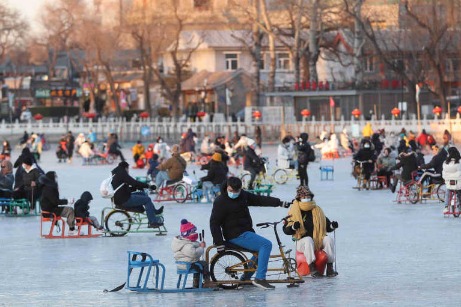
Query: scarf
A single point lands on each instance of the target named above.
(318, 219)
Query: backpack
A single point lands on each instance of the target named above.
(106, 189)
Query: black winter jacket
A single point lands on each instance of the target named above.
(49, 200)
(437, 161)
(308, 225)
(130, 184)
(82, 206)
(217, 173)
(409, 164)
(231, 217)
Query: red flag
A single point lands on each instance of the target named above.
(332, 102)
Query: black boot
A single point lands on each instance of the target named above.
(330, 270)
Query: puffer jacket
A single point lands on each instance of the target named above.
(186, 250)
(231, 217)
(49, 200)
(82, 206)
(451, 173)
(175, 166)
(129, 185)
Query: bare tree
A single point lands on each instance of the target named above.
(158, 33)
(418, 50)
(13, 29)
(59, 22)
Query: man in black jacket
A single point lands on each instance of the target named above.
(231, 221)
(127, 196)
(217, 174)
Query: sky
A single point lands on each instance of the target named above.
(30, 9)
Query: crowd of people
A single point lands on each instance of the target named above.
(230, 220)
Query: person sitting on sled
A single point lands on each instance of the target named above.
(309, 226)
(186, 248)
(81, 208)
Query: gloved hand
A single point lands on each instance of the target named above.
(220, 248)
(153, 187)
(296, 225)
(285, 204)
(70, 201)
(334, 225)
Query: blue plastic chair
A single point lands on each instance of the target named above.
(185, 268)
(139, 260)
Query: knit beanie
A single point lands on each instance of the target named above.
(51, 175)
(188, 230)
(27, 160)
(303, 192)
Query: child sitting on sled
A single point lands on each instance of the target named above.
(81, 208)
(187, 249)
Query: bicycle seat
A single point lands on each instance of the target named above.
(237, 248)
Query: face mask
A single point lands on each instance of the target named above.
(304, 200)
(366, 146)
(233, 195)
(160, 141)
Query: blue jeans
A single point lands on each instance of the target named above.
(141, 199)
(254, 242)
(161, 176)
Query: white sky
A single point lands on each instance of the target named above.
(30, 9)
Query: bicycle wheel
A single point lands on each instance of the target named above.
(245, 180)
(413, 193)
(441, 192)
(118, 223)
(180, 193)
(227, 267)
(280, 176)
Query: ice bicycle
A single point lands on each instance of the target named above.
(119, 221)
(226, 269)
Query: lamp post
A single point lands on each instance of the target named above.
(437, 111)
(305, 113)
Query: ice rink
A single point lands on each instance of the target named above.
(388, 254)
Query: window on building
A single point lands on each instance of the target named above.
(456, 64)
(231, 61)
(368, 64)
(283, 61)
(262, 62)
(202, 5)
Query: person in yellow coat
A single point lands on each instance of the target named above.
(367, 132)
(138, 151)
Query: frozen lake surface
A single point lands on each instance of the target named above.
(388, 254)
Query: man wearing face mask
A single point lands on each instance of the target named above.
(230, 221)
(285, 153)
(366, 154)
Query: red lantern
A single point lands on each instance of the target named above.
(356, 113)
(305, 113)
(459, 109)
(201, 114)
(395, 112)
(144, 114)
(437, 110)
(38, 116)
(256, 114)
(89, 115)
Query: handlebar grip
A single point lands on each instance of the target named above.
(264, 225)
